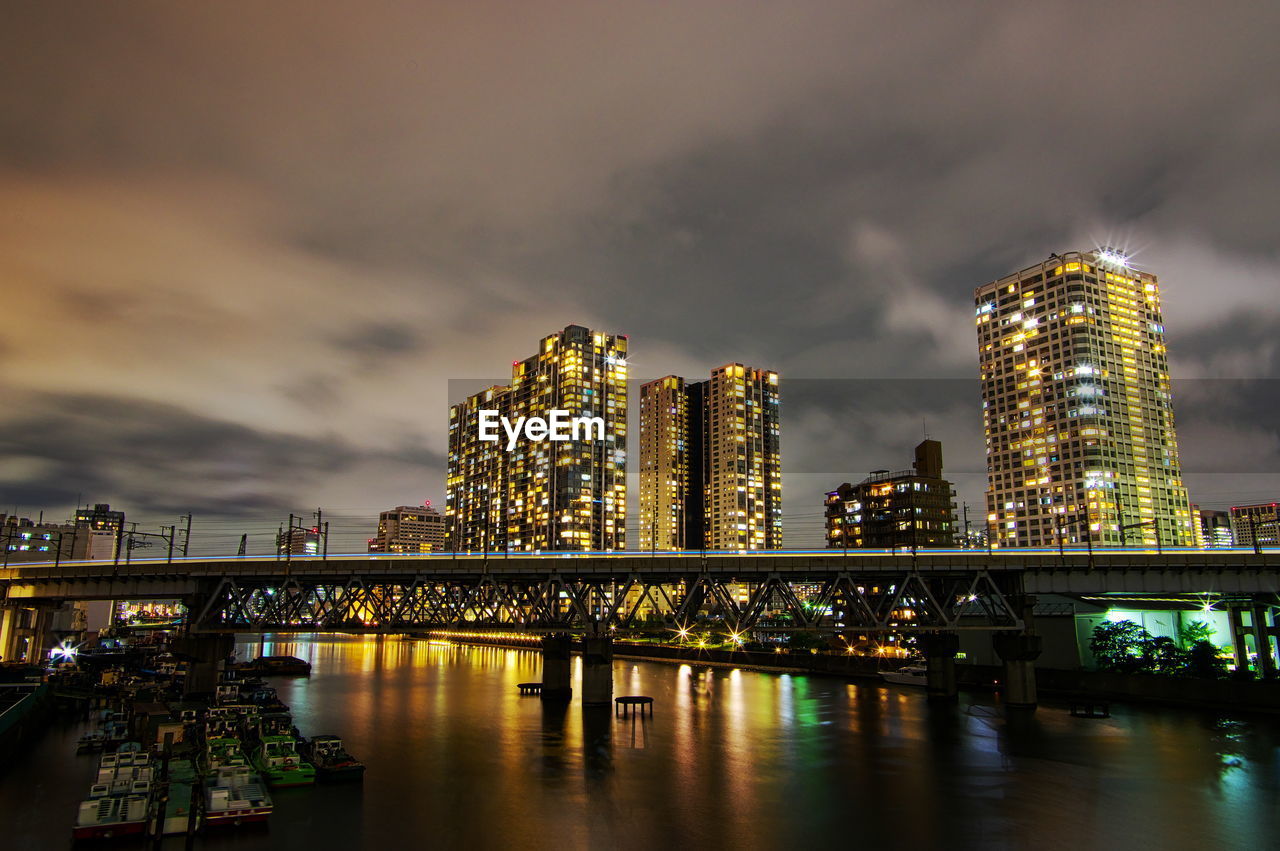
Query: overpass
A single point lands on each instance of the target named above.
(935, 593)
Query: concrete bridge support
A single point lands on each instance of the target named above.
(8, 617)
(208, 656)
(940, 653)
(597, 670)
(1019, 652)
(1263, 632)
(556, 682)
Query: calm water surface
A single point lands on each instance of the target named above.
(731, 758)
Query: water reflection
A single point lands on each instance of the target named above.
(730, 757)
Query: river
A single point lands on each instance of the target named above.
(730, 759)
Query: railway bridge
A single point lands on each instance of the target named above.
(935, 594)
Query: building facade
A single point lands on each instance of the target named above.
(545, 495)
(912, 508)
(664, 464)
(710, 469)
(1256, 525)
(410, 529)
(299, 541)
(1215, 529)
(99, 518)
(1077, 407)
(476, 486)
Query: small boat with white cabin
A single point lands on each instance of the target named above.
(915, 674)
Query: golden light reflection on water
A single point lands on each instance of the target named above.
(740, 757)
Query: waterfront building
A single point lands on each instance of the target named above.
(911, 508)
(1077, 407)
(410, 529)
(710, 471)
(1256, 525)
(542, 494)
(665, 462)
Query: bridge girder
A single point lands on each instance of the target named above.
(906, 601)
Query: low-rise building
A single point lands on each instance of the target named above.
(410, 529)
(911, 508)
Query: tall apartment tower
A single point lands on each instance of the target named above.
(476, 485)
(1077, 407)
(710, 474)
(664, 464)
(545, 495)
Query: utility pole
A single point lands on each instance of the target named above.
(173, 533)
(186, 537)
(968, 540)
(128, 550)
(320, 526)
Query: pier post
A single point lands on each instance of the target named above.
(597, 670)
(1262, 632)
(1019, 652)
(8, 614)
(555, 667)
(940, 652)
(210, 652)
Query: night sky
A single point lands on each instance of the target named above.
(245, 248)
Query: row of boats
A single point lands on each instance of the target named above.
(215, 764)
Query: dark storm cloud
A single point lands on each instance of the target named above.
(378, 339)
(161, 459)
(303, 221)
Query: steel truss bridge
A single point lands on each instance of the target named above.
(827, 591)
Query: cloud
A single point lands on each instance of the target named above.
(303, 223)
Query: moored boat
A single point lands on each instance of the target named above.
(276, 666)
(276, 758)
(908, 675)
(235, 795)
(180, 799)
(104, 815)
(331, 759)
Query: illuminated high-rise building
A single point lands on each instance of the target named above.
(476, 486)
(664, 464)
(1077, 407)
(710, 472)
(545, 495)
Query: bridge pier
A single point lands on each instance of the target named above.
(940, 654)
(597, 670)
(556, 682)
(1018, 652)
(8, 615)
(209, 653)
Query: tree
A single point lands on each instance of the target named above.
(1163, 656)
(1203, 661)
(1195, 632)
(1119, 646)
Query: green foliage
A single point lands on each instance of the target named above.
(1195, 632)
(1124, 647)
(1203, 661)
(1163, 656)
(1118, 646)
